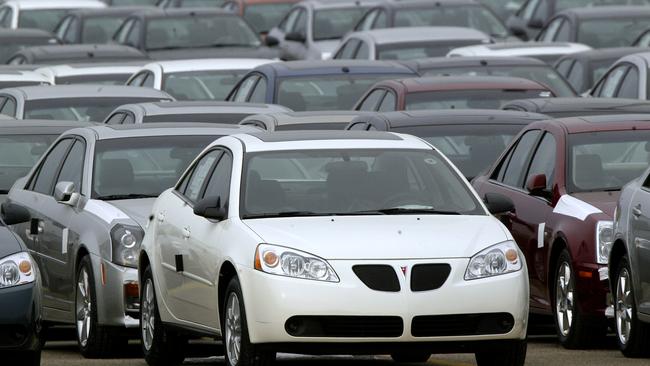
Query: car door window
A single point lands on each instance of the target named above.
(123, 32)
(148, 80)
(576, 77)
(6, 14)
(60, 30)
(115, 119)
(629, 86)
(544, 160)
(301, 24)
(370, 103)
(349, 49)
(219, 183)
(521, 153)
(71, 32)
(363, 53)
(138, 79)
(192, 189)
(381, 22)
(72, 169)
(548, 34)
(527, 10)
(563, 34)
(289, 22)
(133, 38)
(129, 119)
(259, 93)
(9, 108)
(541, 12)
(389, 103)
(644, 40)
(44, 181)
(244, 88)
(612, 81)
(564, 66)
(367, 21)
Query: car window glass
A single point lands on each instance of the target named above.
(123, 31)
(389, 103)
(361, 126)
(289, 21)
(564, 33)
(128, 119)
(148, 80)
(72, 168)
(348, 51)
(612, 81)
(646, 182)
(45, 179)
(138, 79)
(520, 155)
(541, 12)
(60, 30)
(363, 53)
(382, 21)
(544, 160)
(370, 103)
(301, 24)
(629, 86)
(259, 93)
(367, 20)
(9, 108)
(529, 8)
(115, 119)
(5, 17)
(551, 30)
(564, 66)
(576, 77)
(644, 40)
(199, 174)
(219, 183)
(245, 88)
(133, 38)
(71, 33)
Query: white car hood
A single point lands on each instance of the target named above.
(383, 237)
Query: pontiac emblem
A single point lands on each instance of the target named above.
(403, 268)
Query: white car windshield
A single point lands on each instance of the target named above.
(353, 182)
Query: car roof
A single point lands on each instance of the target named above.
(608, 11)
(611, 122)
(84, 91)
(39, 127)
(461, 82)
(592, 105)
(202, 107)
(455, 117)
(209, 64)
(99, 68)
(602, 53)
(52, 4)
(106, 132)
(421, 34)
(334, 67)
(297, 118)
(18, 33)
(334, 4)
(89, 51)
(473, 61)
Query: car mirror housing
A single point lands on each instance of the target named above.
(295, 36)
(65, 193)
(536, 185)
(535, 24)
(271, 41)
(13, 214)
(211, 208)
(498, 204)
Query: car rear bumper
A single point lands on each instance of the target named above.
(19, 317)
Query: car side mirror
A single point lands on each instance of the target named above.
(296, 37)
(65, 193)
(211, 208)
(536, 185)
(13, 214)
(271, 41)
(535, 24)
(518, 31)
(498, 204)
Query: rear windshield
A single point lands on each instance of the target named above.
(100, 30)
(601, 33)
(108, 79)
(468, 99)
(201, 85)
(335, 23)
(77, 109)
(227, 118)
(18, 154)
(473, 16)
(412, 51)
(46, 19)
(263, 17)
(9, 47)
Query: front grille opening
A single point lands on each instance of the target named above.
(462, 324)
(345, 326)
(427, 277)
(378, 277)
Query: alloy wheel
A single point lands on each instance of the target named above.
(148, 314)
(83, 306)
(623, 306)
(233, 329)
(564, 305)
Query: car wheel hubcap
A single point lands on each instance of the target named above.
(148, 314)
(564, 298)
(624, 306)
(84, 307)
(233, 329)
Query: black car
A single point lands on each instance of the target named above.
(91, 25)
(13, 40)
(20, 294)
(522, 67)
(471, 139)
(190, 34)
(571, 107)
(597, 27)
(76, 53)
(583, 69)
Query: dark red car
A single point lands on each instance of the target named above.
(449, 92)
(564, 177)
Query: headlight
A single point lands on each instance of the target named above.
(604, 240)
(126, 240)
(496, 260)
(16, 269)
(289, 262)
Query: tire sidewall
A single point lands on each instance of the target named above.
(564, 257)
(634, 323)
(85, 263)
(155, 340)
(234, 287)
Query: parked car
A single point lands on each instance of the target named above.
(471, 139)
(92, 191)
(112, 73)
(313, 28)
(291, 121)
(12, 79)
(583, 69)
(314, 85)
(425, 13)
(189, 34)
(574, 107)
(628, 274)
(130, 2)
(448, 92)
(94, 26)
(626, 78)
(262, 15)
(20, 294)
(72, 102)
(203, 79)
(40, 14)
(504, 9)
(564, 177)
(597, 27)
(13, 40)
(643, 40)
(190, 3)
(76, 53)
(406, 43)
(548, 52)
(337, 202)
(522, 67)
(207, 112)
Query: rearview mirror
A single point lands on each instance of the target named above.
(65, 193)
(295, 36)
(210, 208)
(271, 41)
(498, 204)
(13, 214)
(536, 185)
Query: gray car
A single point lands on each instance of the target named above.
(289, 121)
(202, 111)
(90, 197)
(73, 102)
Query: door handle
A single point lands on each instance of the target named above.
(186, 233)
(161, 217)
(636, 211)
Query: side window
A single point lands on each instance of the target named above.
(382, 21)
(44, 181)
(643, 41)
(521, 153)
(527, 10)
(6, 14)
(564, 33)
(349, 49)
(123, 31)
(9, 108)
(541, 12)
(60, 30)
(612, 80)
(288, 22)
(370, 103)
(244, 88)
(629, 86)
(548, 34)
(259, 93)
(148, 80)
(646, 182)
(128, 119)
(389, 103)
(219, 183)
(71, 33)
(115, 119)
(367, 21)
(360, 126)
(72, 169)
(544, 160)
(138, 79)
(192, 189)
(133, 38)
(363, 53)
(576, 77)
(564, 66)
(301, 24)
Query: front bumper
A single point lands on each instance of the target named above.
(271, 301)
(19, 317)
(592, 286)
(112, 283)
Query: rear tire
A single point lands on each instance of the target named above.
(632, 335)
(410, 357)
(510, 353)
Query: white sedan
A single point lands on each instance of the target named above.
(330, 242)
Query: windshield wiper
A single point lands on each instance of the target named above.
(167, 48)
(284, 214)
(223, 45)
(113, 197)
(415, 211)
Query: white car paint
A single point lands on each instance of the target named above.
(56, 71)
(519, 49)
(25, 76)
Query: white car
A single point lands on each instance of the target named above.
(548, 52)
(15, 78)
(42, 14)
(330, 241)
(203, 79)
(92, 73)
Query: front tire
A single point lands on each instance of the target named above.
(238, 349)
(632, 335)
(161, 346)
(511, 353)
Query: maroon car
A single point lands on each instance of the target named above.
(449, 92)
(564, 177)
